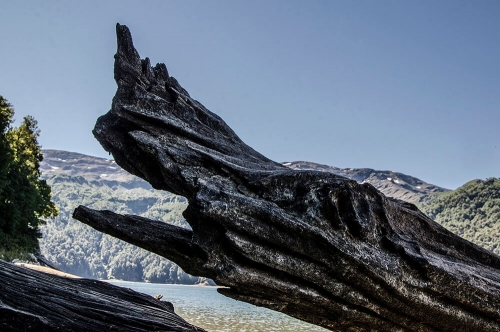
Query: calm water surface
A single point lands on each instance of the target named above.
(204, 307)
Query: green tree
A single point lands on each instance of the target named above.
(25, 199)
(6, 115)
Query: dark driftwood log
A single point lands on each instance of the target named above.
(37, 301)
(313, 245)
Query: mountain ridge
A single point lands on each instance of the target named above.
(392, 184)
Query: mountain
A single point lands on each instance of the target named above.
(391, 184)
(76, 179)
(99, 183)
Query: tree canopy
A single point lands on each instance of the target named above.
(25, 199)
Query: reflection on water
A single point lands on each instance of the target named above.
(204, 307)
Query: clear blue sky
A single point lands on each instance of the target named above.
(408, 86)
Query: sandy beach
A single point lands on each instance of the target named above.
(46, 270)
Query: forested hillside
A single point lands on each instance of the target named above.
(471, 211)
(99, 183)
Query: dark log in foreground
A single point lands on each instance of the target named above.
(37, 301)
(313, 245)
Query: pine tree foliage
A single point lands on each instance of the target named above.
(6, 116)
(25, 199)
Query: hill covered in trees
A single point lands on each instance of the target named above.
(471, 211)
(99, 183)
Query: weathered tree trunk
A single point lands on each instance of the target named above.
(37, 301)
(310, 244)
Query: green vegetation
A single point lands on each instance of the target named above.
(25, 199)
(472, 212)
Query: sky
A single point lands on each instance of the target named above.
(408, 86)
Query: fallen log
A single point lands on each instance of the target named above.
(313, 245)
(36, 301)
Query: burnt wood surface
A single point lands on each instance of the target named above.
(37, 301)
(313, 245)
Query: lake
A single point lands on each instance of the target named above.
(204, 307)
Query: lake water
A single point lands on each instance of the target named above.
(204, 307)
